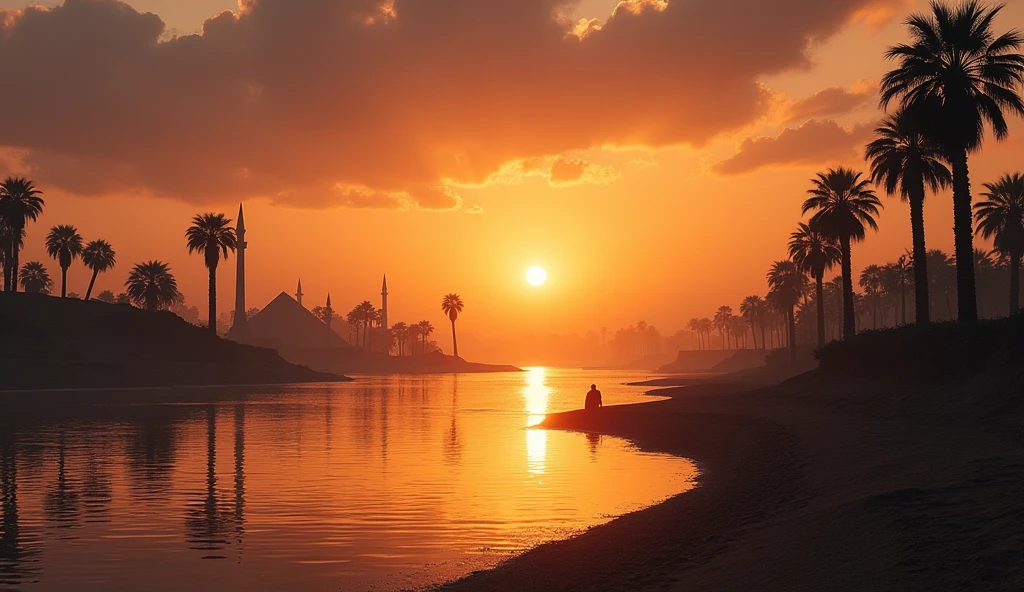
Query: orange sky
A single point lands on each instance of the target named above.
(655, 166)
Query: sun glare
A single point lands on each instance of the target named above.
(536, 276)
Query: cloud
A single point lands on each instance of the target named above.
(566, 172)
(291, 100)
(475, 210)
(814, 142)
(832, 101)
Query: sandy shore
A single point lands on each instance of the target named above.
(863, 488)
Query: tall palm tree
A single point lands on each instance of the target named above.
(19, 204)
(722, 316)
(871, 282)
(905, 161)
(414, 336)
(785, 282)
(942, 279)
(65, 245)
(98, 256)
(365, 314)
(151, 286)
(899, 273)
(752, 309)
(401, 331)
(35, 279)
(694, 326)
(1001, 218)
(213, 236)
(843, 206)
(425, 329)
(452, 305)
(960, 76)
(815, 253)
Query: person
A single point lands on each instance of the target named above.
(593, 399)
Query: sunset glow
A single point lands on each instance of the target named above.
(536, 276)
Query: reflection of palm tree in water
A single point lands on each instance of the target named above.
(207, 525)
(239, 474)
(16, 560)
(61, 503)
(452, 445)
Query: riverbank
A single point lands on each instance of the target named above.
(905, 478)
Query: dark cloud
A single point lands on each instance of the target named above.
(398, 102)
(814, 142)
(832, 102)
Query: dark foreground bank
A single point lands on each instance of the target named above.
(53, 343)
(861, 475)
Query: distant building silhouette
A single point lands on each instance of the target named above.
(298, 293)
(239, 325)
(384, 304)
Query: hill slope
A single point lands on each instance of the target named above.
(48, 342)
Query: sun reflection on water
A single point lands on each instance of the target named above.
(535, 396)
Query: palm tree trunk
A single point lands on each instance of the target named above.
(849, 318)
(16, 256)
(820, 297)
(213, 300)
(455, 343)
(92, 282)
(792, 335)
(963, 229)
(1014, 282)
(921, 299)
(63, 282)
(763, 344)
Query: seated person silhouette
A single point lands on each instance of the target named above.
(593, 399)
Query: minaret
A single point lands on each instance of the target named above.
(239, 327)
(298, 292)
(328, 312)
(384, 304)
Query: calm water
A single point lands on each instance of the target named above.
(386, 482)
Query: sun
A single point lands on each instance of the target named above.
(536, 276)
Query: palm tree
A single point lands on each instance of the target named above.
(815, 253)
(1001, 218)
(414, 336)
(786, 286)
(401, 331)
(942, 279)
(65, 245)
(843, 205)
(365, 314)
(904, 160)
(424, 331)
(871, 282)
(19, 204)
(752, 309)
(35, 279)
(898, 273)
(152, 286)
(959, 76)
(722, 316)
(98, 256)
(213, 236)
(694, 326)
(452, 306)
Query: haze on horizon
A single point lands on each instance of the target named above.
(652, 159)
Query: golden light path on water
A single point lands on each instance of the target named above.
(535, 395)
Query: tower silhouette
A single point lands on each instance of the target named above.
(239, 326)
(384, 304)
(328, 311)
(298, 292)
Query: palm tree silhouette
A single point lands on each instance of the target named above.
(843, 205)
(19, 204)
(904, 160)
(452, 306)
(152, 286)
(401, 332)
(213, 236)
(786, 286)
(959, 76)
(815, 253)
(722, 316)
(425, 328)
(1001, 218)
(65, 245)
(35, 279)
(753, 310)
(871, 282)
(98, 256)
(900, 271)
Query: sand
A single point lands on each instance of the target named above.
(818, 484)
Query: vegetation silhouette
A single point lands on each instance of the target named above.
(212, 236)
(1001, 218)
(452, 306)
(65, 245)
(958, 76)
(843, 205)
(424, 329)
(35, 279)
(785, 283)
(20, 203)
(815, 253)
(99, 257)
(904, 160)
(755, 310)
(151, 286)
